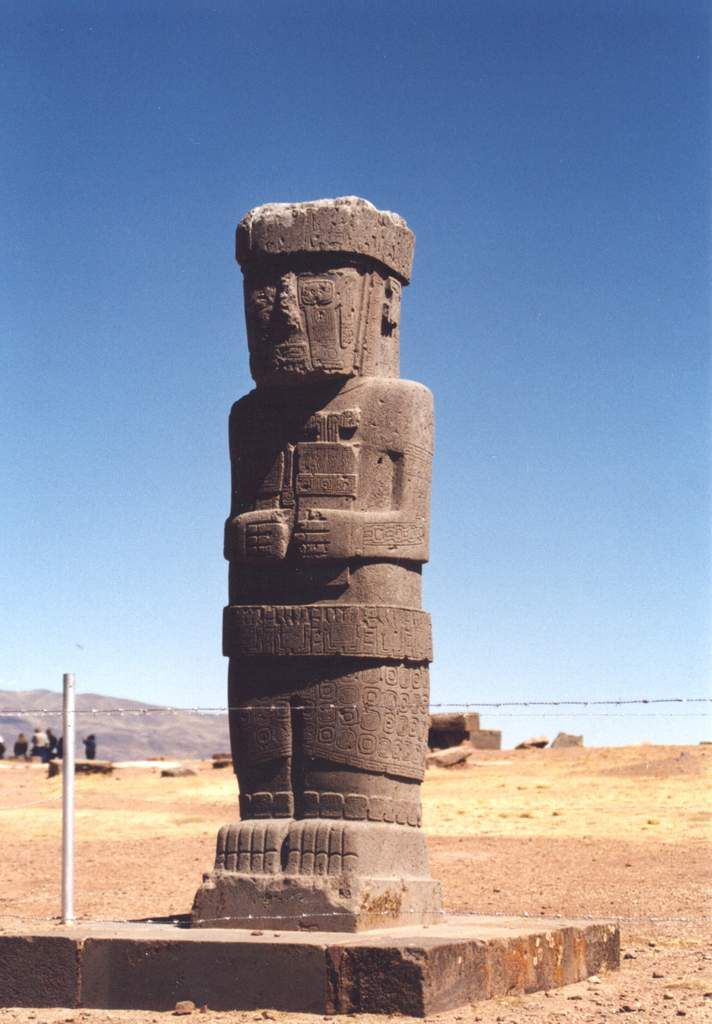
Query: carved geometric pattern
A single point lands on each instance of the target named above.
(376, 720)
(265, 733)
(357, 807)
(352, 630)
(267, 805)
(373, 719)
(395, 534)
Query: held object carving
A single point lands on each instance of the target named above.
(328, 530)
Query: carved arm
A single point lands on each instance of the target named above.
(342, 534)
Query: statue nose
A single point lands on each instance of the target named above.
(286, 307)
(282, 298)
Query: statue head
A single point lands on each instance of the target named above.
(323, 284)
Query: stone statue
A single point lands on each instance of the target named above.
(328, 530)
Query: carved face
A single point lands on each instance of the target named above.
(303, 326)
(390, 321)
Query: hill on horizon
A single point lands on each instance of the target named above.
(126, 730)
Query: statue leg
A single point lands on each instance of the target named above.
(261, 742)
(361, 742)
(337, 748)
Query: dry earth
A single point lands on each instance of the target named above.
(615, 832)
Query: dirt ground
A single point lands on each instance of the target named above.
(618, 833)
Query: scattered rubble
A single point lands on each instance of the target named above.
(566, 739)
(534, 743)
(81, 767)
(450, 756)
(449, 730)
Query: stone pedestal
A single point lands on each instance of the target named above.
(336, 877)
(139, 966)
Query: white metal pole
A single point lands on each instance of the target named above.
(69, 740)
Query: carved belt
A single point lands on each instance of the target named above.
(327, 631)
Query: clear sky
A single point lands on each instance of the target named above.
(553, 159)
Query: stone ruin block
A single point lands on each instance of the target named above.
(533, 743)
(447, 730)
(222, 760)
(450, 756)
(81, 767)
(566, 739)
(486, 739)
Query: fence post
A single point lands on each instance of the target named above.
(69, 740)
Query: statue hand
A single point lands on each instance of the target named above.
(258, 536)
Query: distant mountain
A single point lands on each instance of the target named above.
(150, 731)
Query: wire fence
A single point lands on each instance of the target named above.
(47, 801)
(622, 707)
(329, 705)
(433, 918)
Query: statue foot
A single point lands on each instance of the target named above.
(317, 846)
(254, 847)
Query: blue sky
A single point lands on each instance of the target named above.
(553, 158)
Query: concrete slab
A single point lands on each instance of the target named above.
(408, 970)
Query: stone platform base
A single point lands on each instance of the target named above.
(414, 971)
(299, 903)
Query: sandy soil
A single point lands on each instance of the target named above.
(617, 832)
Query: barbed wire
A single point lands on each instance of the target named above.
(604, 714)
(449, 914)
(581, 703)
(286, 705)
(35, 803)
(440, 915)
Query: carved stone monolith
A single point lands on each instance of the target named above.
(328, 531)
